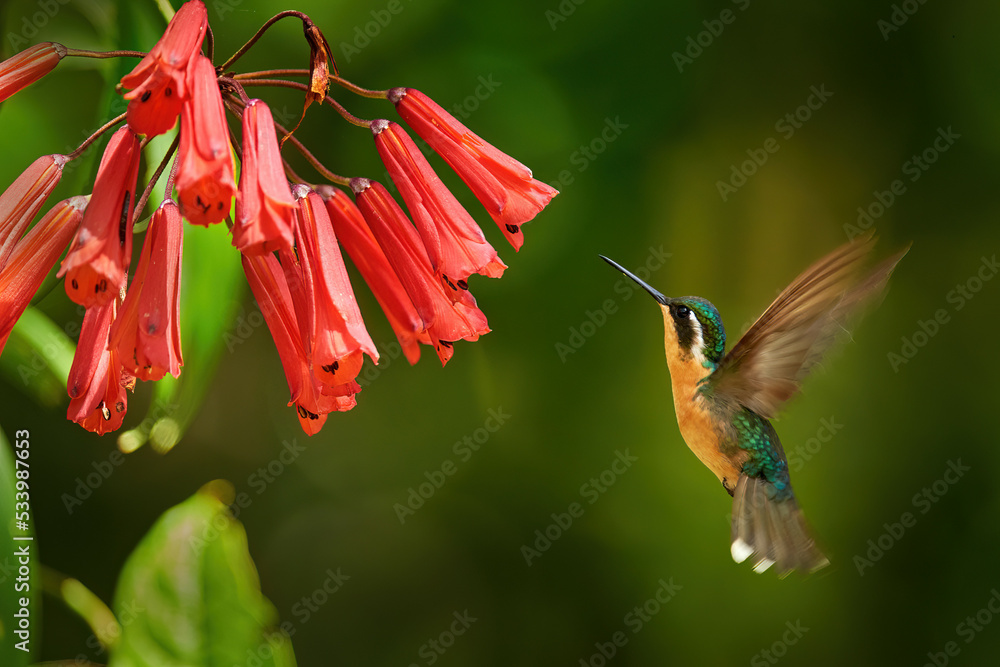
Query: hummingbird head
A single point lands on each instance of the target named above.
(693, 326)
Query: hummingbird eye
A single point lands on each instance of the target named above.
(683, 312)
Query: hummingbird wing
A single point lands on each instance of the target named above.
(769, 362)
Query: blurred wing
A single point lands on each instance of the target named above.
(767, 365)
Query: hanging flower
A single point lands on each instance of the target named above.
(158, 83)
(147, 334)
(337, 333)
(265, 209)
(23, 69)
(21, 202)
(504, 186)
(288, 236)
(269, 287)
(97, 383)
(353, 233)
(205, 184)
(33, 257)
(455, 245)
(96, 266)
(444, 321)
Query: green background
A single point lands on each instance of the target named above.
(652, 184)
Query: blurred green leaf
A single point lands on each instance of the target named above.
(11, 589)
(189, 593)
(38, 357)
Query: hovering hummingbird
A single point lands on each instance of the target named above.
(724, 401)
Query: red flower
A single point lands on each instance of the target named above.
(455, 245)
(158, 86)
(20, 203)
(96, 266)
(97, 382)
(335, 335)
(269, 287)
(503, 185)
(147, 334)
(353, 233)
(205, 183)
(32, 259)
(265, 209)
(444, 321)
(21, 70)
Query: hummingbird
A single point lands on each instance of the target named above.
(725, 402)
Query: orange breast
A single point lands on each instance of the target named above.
(696, 423)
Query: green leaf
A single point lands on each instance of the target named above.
(189, 593)
(13, 585)
(37, 357)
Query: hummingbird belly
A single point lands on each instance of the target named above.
(700, 427)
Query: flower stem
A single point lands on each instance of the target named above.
(281, 83)
(95, 136)
(343, 83)
(83, 53)
(141, 204)
(253, 40)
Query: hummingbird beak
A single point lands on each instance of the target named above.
(656, 295)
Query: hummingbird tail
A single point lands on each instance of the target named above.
(771, 531)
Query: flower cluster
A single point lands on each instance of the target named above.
(288, 232)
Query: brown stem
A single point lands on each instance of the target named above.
(83, 53)
(95, 136)
(343, 83)
(281, 83)
(141, 204)
(253, 40)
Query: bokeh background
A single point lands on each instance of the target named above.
(590, 95)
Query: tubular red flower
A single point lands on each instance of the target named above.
(97, 382)
(32, 259)
(269, 287)
(444, 321)
(265, 209)
(455, 245)
(147, 334)
(205, 183)
(503, 185)
(337, 335)
(353, 233)
(23, 69)
(96, 266)
(158, 85)
(20, 203)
